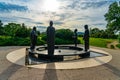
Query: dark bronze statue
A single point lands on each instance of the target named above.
(86, 38)
(33, 38)
(51, 39)
(75, 37)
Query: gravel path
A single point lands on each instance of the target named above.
(10, 71)
(114, 44)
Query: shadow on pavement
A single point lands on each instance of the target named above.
(50, 74)
(6, 74)
(114, 69)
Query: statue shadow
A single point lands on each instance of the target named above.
(50, 72)
(115, 70)
(7, 73)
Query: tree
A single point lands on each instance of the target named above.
(1, 23)
(1, 28)
(62, 36)
(17, 30)
(65, 34)
(97, 33)
(22, 31)
(119, 37)
(11, 28)
(113, 17)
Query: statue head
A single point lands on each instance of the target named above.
(75, 30)
(86, 26)
(51, 23)
(34, 28)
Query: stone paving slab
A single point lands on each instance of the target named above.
(10, 71)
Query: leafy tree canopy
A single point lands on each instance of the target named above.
(113, 17)
(66, 34)
(1, 28)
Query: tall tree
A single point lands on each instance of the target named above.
(1, 28)
(119, 37)
(113, 17)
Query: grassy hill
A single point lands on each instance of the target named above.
(98, 42)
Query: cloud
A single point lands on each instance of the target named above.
(20, 20)
(99, 24)
(7, 7)
(58, 23)
(81, 18)
(86, 4)
(41, 28)
(7, 19)
(38, 23)
(72, 13)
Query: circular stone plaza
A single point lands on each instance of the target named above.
(104, 65)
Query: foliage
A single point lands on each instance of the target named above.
(16, 30)
(97, 33)
(22, 31)
(43, 36)
(59, 41)
(113, 17)
(65, 34)
(40, 41)
(1, 28)
(112, 46)
(119, 37)
(62, 36)
(17, 41)
(118, 45)
(10, 41)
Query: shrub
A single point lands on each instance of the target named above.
(16, 41)
(44, 37)
(118, 45)
(65, 34)
(59, 41)
(40, 41)
(112, 46)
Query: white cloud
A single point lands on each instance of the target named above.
(70, 14)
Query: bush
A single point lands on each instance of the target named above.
(23, 41)
(16, 41)
(118, 45)
(40, 41)
(4, 41)
(62, 36)
(59, 41)
(44, 37)
(112, 46)
(16, 30)
(65, 34)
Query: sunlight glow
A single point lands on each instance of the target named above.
(50, 5)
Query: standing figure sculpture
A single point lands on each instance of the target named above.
(86, 38)
(51, 39)
(75, 37)
(33, 38)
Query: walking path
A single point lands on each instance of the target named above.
(10, 71)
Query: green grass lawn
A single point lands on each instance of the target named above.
(98, 42)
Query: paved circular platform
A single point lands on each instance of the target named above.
(18, 57)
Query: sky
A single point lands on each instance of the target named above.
(67, 14)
